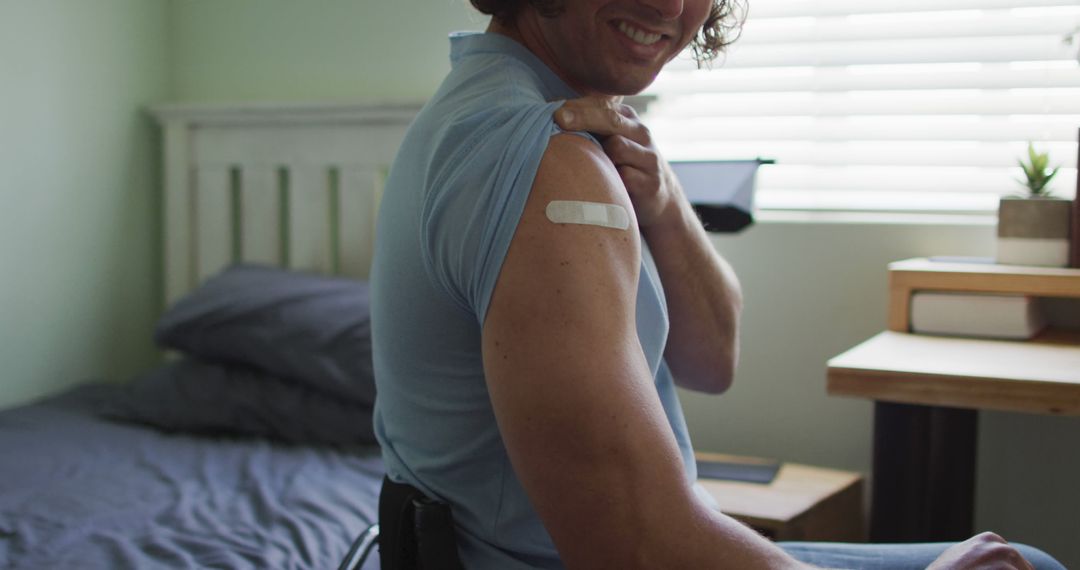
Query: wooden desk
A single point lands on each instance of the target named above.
(1041, 377)
(928, 390)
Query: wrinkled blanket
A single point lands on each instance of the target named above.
(80, 491)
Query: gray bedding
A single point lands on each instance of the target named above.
(81, 491)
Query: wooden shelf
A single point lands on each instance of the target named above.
(922, 274)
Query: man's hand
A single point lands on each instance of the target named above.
(704, 299)
(653, 188)
(986, 550)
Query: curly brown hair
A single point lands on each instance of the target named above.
(720, 30)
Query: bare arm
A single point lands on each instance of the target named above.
(703, 294)
(574, 398)
(700, 283)
(704, 301)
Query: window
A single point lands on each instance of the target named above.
(881, 105)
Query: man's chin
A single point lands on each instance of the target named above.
(625, 87)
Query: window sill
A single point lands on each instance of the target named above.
(874, 218)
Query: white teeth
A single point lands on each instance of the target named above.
(637, 35)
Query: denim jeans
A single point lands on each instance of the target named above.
(865, 556)
(891, 556)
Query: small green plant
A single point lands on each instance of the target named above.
(1073, 36)
(1037, 172)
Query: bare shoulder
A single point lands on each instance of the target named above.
(563, 290)
(576, 167)
(577, 262)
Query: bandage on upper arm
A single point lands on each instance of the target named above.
(588, 213)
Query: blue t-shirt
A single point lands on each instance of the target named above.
(451, 204)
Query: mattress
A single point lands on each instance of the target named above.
(81, 491)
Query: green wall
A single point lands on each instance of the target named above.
(78, 204)
(281, 50)
(79, 160)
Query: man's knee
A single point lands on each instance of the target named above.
(1039, 559)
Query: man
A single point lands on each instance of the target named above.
(536, 294)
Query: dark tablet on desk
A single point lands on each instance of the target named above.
(721, 191)
(762, 473)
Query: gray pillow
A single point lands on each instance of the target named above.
(193, 396)
(312, 329)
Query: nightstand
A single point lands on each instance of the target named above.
(801, 503)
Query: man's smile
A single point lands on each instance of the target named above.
(639, 35)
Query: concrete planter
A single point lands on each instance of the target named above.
(1033, 231)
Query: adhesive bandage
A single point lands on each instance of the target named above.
(588, 213)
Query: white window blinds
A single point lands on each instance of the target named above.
(882, 105)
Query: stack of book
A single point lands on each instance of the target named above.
(985, 315)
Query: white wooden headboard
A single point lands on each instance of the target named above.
(294, 185)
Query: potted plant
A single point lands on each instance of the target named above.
(1033, 229)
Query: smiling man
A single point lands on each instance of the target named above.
(538, 294)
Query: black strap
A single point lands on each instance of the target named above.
(436, 545)
(416, 533)
(397, 536)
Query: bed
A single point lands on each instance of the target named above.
(251, 445)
